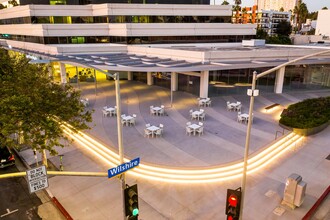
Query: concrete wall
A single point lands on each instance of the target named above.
(322, 26)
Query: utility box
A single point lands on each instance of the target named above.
(294, 192)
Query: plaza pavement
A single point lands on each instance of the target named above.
(223, 142)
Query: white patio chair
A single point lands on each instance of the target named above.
(238, 108)
(134, 115)
(158, 133)
(202, 116)
(194, 116)
(132, 121)
(208, 103)
(200, 123)
(161, 126)
(148, 125)
(229, 107)
(161, 111)
(189, 131)
(123, 115)
(200, 131)
(200, 103)
(240, 119)
(188, 123)
(147, 133)
(123, 122)
(105, 113)
(152, 111)
(162, 106)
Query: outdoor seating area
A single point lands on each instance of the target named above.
(243, 118)
(234, 106)
(204, 102)
(158, 111)
(153, 130)
(193, 128)
(197, 114)
(128, 120)
(109, 111)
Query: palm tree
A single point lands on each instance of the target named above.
(301, 13)
(225, 3)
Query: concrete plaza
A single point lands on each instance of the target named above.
(223, 142)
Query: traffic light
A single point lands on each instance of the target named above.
(131, 202)
(233, 203)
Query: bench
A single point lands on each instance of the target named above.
(271, 106)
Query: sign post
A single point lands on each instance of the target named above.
(123, 167)
(37, 178)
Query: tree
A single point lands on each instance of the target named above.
(237, 9)
(284, 28)
(261, 34)
(34, 106)
(2, 6)
(13, 3)
(281, 9)
(225, 3)
(301, 13)
(324, 8)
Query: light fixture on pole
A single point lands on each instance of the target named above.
(252, 93)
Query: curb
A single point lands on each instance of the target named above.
(56, 203)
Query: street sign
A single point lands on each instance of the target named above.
(37, 178)
(123, 167)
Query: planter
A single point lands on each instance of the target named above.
(306, 131)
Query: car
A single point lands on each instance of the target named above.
(7, 158)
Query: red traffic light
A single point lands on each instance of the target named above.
(232, 200)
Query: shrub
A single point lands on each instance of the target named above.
(309, 113)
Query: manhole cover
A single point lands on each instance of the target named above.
(279, 211)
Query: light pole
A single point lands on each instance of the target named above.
(252, 93)
(120, 138)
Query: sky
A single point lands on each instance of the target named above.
(312, 5)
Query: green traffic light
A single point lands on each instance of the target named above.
(135, 212)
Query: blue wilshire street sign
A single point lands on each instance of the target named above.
(123, 167)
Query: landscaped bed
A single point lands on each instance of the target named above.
(307, 117)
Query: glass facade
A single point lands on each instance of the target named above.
(115, 19)
(126, 40)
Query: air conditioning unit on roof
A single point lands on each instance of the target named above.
(253, 43)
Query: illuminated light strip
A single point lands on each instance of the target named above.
(201, 178)
(276, 155)
(196, 172)
(203, 170)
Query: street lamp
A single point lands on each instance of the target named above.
(252, 93)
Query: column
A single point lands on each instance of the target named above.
(63, 73)
(150, 80)
(204, 84)
(279, 80)
(129, 76)
(174, 81)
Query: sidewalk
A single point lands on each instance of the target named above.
(223, 141)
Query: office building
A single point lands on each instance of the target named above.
(188, 47)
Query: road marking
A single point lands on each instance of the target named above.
(9, 212)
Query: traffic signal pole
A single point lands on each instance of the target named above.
(120, 139)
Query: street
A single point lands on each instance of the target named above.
(16, 201)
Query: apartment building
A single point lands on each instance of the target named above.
(276, 5)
